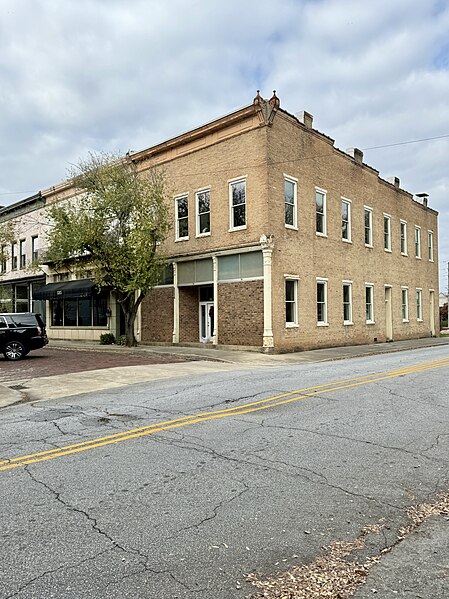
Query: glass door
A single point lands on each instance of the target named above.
(206, 321)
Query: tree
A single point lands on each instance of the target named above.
(7, 237)
(113, 227)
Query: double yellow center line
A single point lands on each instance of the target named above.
(246, 408)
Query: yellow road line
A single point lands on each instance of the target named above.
(247, 408)
(316, 388)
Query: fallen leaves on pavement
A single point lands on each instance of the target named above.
(331, 575)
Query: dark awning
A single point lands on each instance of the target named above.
(80, 288)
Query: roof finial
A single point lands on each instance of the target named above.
(274, 101)
(258, 99)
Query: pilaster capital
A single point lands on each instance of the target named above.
(267, 242)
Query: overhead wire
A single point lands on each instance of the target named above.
(296, 159)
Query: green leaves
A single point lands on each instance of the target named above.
(7, 237)
(114, 225)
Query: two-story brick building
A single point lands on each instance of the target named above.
(19, 279)
(280, 240)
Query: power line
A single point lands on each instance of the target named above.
(403, 143)
(11, 193)
(297, 159)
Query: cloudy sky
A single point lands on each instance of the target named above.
(115, 75)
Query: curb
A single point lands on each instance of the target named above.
(9, 396)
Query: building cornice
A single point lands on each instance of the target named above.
(33, 202)
(225, 122)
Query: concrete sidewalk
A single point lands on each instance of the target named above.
(209, 359)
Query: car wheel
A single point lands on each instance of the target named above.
(14, 350)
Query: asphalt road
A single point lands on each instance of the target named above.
(229, 474)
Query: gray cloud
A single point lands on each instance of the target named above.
(113, 75)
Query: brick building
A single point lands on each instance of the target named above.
(280, 240)
(19, 279)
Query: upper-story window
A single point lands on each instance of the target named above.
(403, 238)
(237, 199)
(203, 212)
(3, 259)
(345, 220)
(14, 256)
(23, 258)
(34, 247)
(182, 217)
(430, 245)
(290, 195)
(387, 233)
(320, 210)
(368, 227)
(418, 242)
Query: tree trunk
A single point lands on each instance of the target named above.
(131, 340)
(130, 306)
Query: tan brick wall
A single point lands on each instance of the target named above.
(243, 155)
(157, 316)
(240, 313)
(189, 315)
(306, 255)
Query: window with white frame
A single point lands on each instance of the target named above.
(403, 238)
(418, 242)
(345, 220)
(182, 217)
(290, 194)
(419, 304)
(368, 226)
(34, 247)
(237, 199)
(430, 245)
(320, 209)
(387, 233)
(404, 296)
(347, 302)
(14, 256)
(291, 302)
(203, 212)
(321, 302)
(369, 303)
(22, 253)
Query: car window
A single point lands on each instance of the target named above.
(9, 321)
(40, 322)
(24, 320)
(3, 324)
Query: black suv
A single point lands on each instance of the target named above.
(20, 333)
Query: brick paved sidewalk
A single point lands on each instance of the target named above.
(55, 361)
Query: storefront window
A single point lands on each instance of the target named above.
(22, 302)
(57, 311)
(84, 311)
(70, 310)
(99, 311)
(80, 312)
(6, 298)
